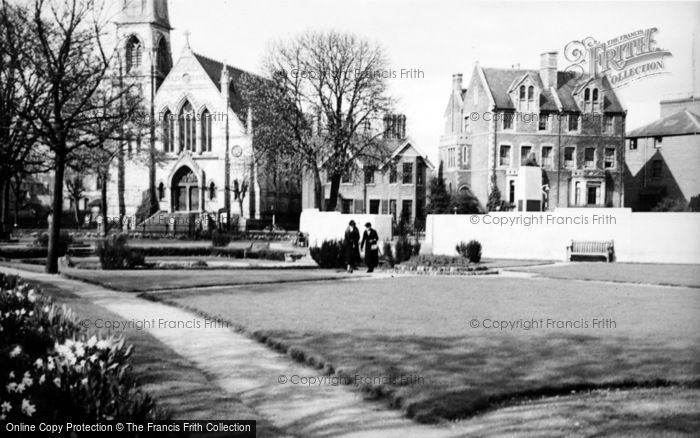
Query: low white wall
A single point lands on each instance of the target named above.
(638, 237)
(331, 225)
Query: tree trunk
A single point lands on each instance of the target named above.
(57, 210)
(120, 182)
(333, 196)
(4, 208)
(76, 211)
(318, 191)
(103, 202)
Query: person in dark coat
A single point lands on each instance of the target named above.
(352, 248)
(370, 244)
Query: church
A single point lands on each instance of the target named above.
(203, 132)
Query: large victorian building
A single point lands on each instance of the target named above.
(572, 127)
(203, 129)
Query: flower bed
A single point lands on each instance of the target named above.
(443, 265)
(50, 370)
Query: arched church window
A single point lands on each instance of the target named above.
(205, 129)
(186, 120)
(163, 58)
(133, 54)
(212, 191)
(168, 132)
(161, 191)
(595, 97)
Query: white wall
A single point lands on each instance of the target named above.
(638, 237)
(331, 225)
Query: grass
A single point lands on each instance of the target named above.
(673, 275)
(420, 326)
(150, 280)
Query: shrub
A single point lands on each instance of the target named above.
(470, 250)
(219, 239)
(64, 239)
(330, 255)
(114, 253)
(388, 254)
(49, 369)
(404, 249)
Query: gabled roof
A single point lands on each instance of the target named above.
(501, 80)
(213, 69)
(683, 122)
(402, 147)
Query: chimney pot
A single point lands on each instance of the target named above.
(457, 82)
(548, 69)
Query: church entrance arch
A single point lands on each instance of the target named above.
(185, 186)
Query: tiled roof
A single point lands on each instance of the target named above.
(683, 122)
(213, 69)
(500, 80)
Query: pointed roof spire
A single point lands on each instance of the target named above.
(187, 38)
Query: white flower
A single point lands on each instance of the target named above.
(46, 309)
(11, 387)
(16, 351)
(39, 363)
(50, 365)
(32, 296)
(27, 381)
(57, 382)
(12, 374)
(3, 417)
(84, 381)
(21, 387)
(92, 341)
(6, 407)
(93, 358)
(103, 344)
(27, 407)
(42, 379)
(79, 350)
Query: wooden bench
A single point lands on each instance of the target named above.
(591, 248)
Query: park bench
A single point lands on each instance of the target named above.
(591, 248)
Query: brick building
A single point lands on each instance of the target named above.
(397, 187)
(573, 128)
(662, 157)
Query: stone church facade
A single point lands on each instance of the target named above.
(203, 131)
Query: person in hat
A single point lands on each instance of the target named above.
(370, 244)
(352, 249)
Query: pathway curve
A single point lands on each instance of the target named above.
(250, 370)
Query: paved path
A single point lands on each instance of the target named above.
(250, 370)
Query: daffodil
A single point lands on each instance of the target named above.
(28, 408)
(6, 407)
(16, 351)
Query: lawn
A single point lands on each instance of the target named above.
(675, 275)
(149, 280)
(420, 326)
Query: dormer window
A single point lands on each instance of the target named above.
(590, 99)
(530, 98)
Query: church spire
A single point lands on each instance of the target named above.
(154, 12)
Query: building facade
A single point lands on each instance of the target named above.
(662, 157)
(572, 128)
(398, 187)
(203, 130)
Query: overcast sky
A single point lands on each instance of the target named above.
(445, 37)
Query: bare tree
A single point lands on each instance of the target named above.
(326, 87)
(81, 106)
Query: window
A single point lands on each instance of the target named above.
(133, 54)
(346, 178)
(589, 158)
(522, 96)
(168, 132)
(547, 159)
(406, 210)
(346, 206)
(569, 157)
(586, 98)
(407, 173)
(511, 191)
(212, 191)
(657, 142)
(508, 120)
(609, 158)
(187, 128)
(465, 155)
(374, 206)
(465, 127)
(205, 129)
(392, 208)
(609, 124)
(595, 98)
(161, 192)
(163, 59)
(633, 144)
(530, 98)
(592, 192)
(542, 122)
(525, 152)
(369, 175)
(420, 173)
(392, 173)
(573, 122)
(504, 155)
(577, 193)
(359, 206)
(451, 158)
(657, 169)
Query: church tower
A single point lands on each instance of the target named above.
(143, 38)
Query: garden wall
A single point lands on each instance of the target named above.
(638, 237)
(331, 225)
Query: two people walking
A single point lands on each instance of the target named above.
(353, 245)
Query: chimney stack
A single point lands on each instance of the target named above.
(548, 69)
(457, 82)
(225, 81)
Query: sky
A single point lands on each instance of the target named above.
(441, 38)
